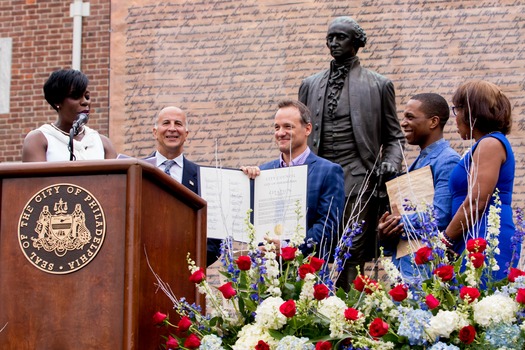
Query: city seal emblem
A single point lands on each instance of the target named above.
(61, 228)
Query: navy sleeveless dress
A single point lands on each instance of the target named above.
(458, 185)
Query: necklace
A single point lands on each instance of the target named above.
(66, 133)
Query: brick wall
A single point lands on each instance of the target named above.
(42, 34)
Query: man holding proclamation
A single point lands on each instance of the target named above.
(424, 118)
(170, 132)
(355, 125)
(325, 197)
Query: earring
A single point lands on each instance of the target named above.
(58, 107)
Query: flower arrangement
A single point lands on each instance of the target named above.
(284, 300)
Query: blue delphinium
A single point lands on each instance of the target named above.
(342, 251)
(516, 240)
(412, 324)
(227, 259)
(505, 336)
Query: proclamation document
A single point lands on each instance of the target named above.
(280, 202)
(415, 187)
(276, 196)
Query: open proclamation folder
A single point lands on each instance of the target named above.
(273, 196)
(417, 188)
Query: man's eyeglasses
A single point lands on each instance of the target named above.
(454, 109)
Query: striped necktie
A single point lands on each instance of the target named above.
(168, 164)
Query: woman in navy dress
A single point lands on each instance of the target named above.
(483, 113)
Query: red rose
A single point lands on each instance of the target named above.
(520, 296)
(192, 342)
(378, 328)
(431, 301)
(288, 308)
(172, 343)
(244, 262)
(227, 290)
(184, 324)
(321, 291)
(477, 259)
(159, 318)
(262, 345)
(316, 263)
(360, 282)
(423, 255)
(399, 292)
(198, 276)
(288, 253)
(515, 273)
(323, 345)
(352, 314)
(476, 245)
(305, 269)
(470, 292)
(445, 272)
(467, 334)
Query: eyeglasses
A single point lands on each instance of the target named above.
(454, 109)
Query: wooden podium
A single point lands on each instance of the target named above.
(74, 237)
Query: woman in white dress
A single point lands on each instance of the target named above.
(66, 90)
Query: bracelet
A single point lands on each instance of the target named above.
(447, 240)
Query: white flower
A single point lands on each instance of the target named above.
(293, 343)
(275, 291)
(250, 335)
(391, 270)
(332, 307)
(211, 342)
(268, 315)
(307, 292)
(444, 323)
(494, 309)
(272, 269)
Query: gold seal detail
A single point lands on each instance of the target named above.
(62, 228)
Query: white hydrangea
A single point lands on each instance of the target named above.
(268, 315)
(444, 323)
(495, 309)
(332, 307)
(211, 342)
(250, 335)
(293, 343)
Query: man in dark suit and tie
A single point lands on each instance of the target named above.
(170, 132)
(325, 196)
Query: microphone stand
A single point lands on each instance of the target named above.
(72, 133)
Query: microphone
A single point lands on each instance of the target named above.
(81, 120)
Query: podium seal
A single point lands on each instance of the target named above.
(61, 228)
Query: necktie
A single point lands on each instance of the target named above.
(168, 164)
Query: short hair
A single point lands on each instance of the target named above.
(434, 105)
(359, 33)
(484, 106)
(303, 110)
(157, 114)
(64, 83)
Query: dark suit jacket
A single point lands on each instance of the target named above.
(325, 200)
(372, 110)
(190, 179)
